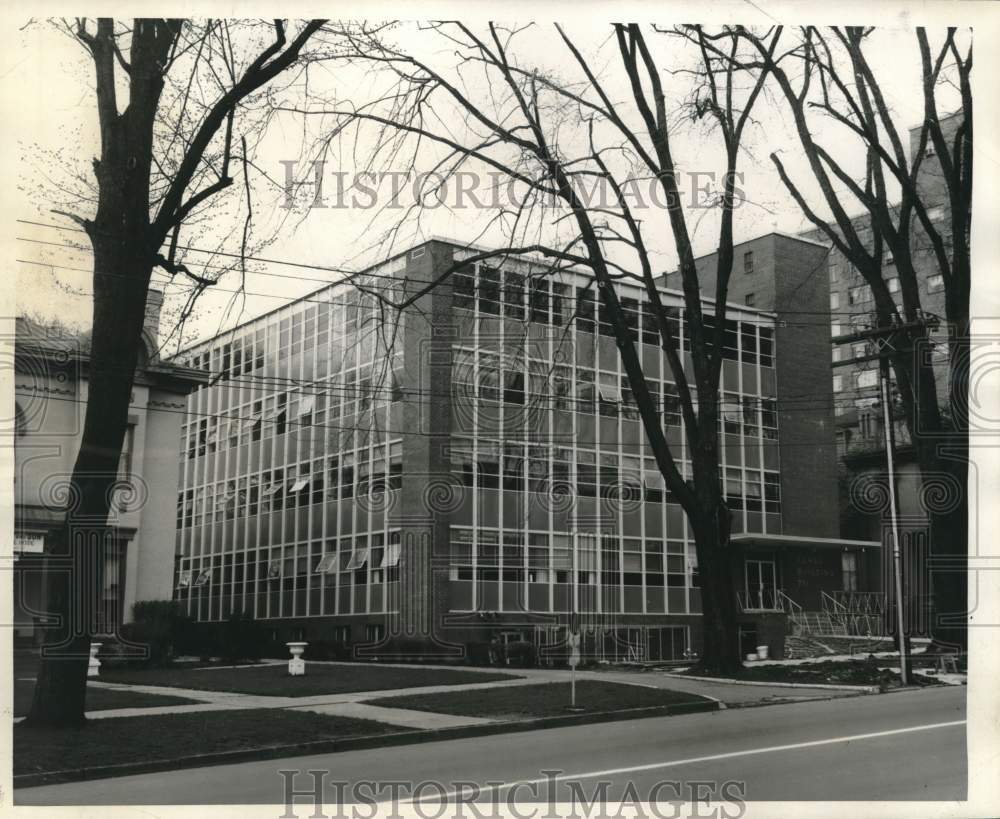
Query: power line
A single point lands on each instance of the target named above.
(324, 301)
(333, 385)
(355, 273)
(303, 265)
(301, 425)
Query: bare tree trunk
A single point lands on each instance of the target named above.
(126, 246)
(720, 651)
(74, 586)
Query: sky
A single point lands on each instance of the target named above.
(56, 133)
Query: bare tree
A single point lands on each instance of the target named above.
(829, 74)
(551, 136)
(197, 101)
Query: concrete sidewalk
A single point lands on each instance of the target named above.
(402, 717)
(321, 703)
(355, 703)
(721, 690)
(728, 693)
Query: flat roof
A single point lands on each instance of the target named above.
(803, 239)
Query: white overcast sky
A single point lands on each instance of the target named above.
(56, 134)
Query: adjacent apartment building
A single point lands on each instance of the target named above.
(861, 435)
(50, 394)
(856, 388)
(473, 468)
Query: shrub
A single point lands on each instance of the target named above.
(521, 654)
(325, 650)
(158, 626)
(404, 649)
(241, 638)
(120, 654)
(477, 653)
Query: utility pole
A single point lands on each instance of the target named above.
(897, 560)
(882, 338)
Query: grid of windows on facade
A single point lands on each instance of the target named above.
(535, 297)
(517, 570)
(347, 575)
(570, 424)
(294, 428)
(516, 466)
(318, 366)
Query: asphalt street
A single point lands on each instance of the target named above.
(907, 745)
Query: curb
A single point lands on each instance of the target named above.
(820, 697)
(329, 746)
(858, 689)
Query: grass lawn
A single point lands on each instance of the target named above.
(273, 680)
(543, 700)
(143, 739)
(98, 699)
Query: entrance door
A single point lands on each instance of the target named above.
(849, 571)
(761, 584)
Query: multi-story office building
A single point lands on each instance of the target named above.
(474, 467)
(50, 392)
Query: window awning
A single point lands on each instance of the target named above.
(801, 542)
(326, 563)
(654, 480)
(358, 558)
(203, 578)
(299, 485)
(391, 556)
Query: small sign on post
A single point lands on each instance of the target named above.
(574, 661)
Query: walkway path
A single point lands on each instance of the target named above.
(341, 704)
(355, 703)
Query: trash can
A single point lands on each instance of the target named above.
(761, 652)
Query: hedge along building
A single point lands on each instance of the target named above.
(50, 393)
(475, 468)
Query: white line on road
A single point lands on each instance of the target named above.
(731, 754)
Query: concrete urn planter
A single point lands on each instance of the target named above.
(94, 665)
(296, 665)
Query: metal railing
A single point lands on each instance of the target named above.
(760, 600)
(789, 606)
(857, 602)
(834, 610)
(856, 613)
